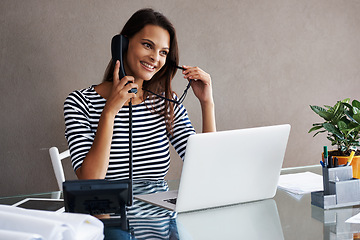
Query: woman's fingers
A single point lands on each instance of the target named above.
(201, 84)
(196, 73)
(116, 72)
(121, 87)
(125, 85)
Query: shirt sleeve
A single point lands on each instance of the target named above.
(78, 132)
(181, 131)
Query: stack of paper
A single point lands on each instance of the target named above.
(19, 223)
(301, 183)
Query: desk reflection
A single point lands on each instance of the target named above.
(146, 221)
(334, 225)
(255, 220)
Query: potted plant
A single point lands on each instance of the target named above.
(342, 124)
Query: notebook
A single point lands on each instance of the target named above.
(227, 167)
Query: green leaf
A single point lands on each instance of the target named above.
(345, 119)
(349, 115)
(317, 109)
(356, 117)
(321, 112)
(343, 148)
(342, 125)
(338, 113)
(315, 128)
(319, 132)
(336, 107)
(349, 106)
(331, 128)
(355, 110)
(353, 125)
(356, 104)
(346, 100)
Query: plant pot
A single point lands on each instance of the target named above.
(355, 163)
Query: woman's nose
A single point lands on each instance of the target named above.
(155, 57)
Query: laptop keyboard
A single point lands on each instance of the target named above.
(171, 200)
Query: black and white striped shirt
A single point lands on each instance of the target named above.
(151, 155)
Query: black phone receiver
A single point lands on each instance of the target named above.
(119, 45)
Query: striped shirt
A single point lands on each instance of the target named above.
(151, 155)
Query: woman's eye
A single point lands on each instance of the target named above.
(147, 45)
(164, 53)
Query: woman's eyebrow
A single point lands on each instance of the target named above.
(145, 39)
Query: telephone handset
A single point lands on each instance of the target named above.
(119, 45)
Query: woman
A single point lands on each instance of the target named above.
(97, 127)
(96, 118)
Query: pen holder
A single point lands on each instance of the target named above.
(340, 189)
(335, 175)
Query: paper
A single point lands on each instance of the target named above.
(354, 219)
(50, 225)
(301, 183)
(13, 235)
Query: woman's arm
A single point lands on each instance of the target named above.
(202, 89)
(208, 117)
(96, 162)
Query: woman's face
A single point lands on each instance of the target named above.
(147, 52)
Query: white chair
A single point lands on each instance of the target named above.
(56, 158)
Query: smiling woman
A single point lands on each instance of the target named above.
(96, 118)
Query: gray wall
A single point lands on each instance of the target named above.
(268, 60)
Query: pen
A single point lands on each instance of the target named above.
(325, 156)
(336, 162)
(322, 164)
(330, 162)
(350, 158)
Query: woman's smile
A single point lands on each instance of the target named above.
(147, 66)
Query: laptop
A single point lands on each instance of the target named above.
(227, 167)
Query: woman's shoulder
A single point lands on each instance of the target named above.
(83, 95)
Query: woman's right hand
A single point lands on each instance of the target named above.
(96, 162)
(120, 91)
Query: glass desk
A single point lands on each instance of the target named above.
(283, 217)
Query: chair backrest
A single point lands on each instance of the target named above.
(56, 158)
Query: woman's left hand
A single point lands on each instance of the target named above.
(201, 83)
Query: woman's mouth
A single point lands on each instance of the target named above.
(148, 66)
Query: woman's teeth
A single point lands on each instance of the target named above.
(147, 65)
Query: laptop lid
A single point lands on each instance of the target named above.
(229, 167)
